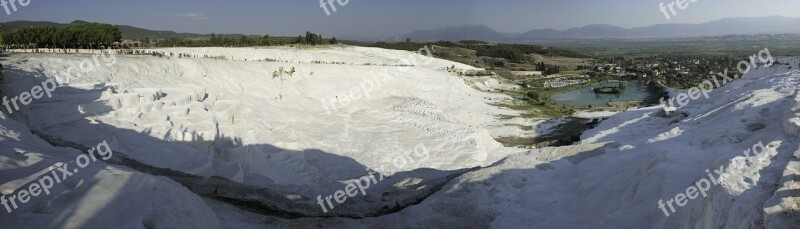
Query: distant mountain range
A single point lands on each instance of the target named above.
(469, 32)
(729, 26)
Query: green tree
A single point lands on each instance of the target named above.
(244, 40)
(266, 40)
(534, 95)
(72, 36)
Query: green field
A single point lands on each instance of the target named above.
(780, 45)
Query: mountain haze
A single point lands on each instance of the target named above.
(729, 26)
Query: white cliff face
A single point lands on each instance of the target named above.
(305, 124)
(791, 120)
(644, 158)
(783, 209)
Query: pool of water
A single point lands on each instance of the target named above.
(586, 96)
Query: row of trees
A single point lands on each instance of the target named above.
(499, 51)
(241, 41)
(518, 53)
(544, 50)
(313, 39)
(91, 35)
(548, 69)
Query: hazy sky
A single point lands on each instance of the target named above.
(385, 17)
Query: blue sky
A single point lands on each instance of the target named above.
(385, 17)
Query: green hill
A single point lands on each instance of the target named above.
(128, 32)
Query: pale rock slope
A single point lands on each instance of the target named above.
(615, 177)
(263, 123)
(236, 119)
(98, 196)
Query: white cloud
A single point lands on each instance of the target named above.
(192, 16)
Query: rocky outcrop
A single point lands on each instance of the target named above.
(783, 209)
(791, 120)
